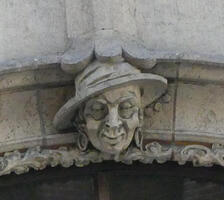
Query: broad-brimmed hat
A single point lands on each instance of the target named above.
(99, 77)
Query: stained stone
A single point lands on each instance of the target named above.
(52, 76)
(166, 69)
(199, 73)
(17, 80)
(19, 117)
(159, 121)
(199, 113)
(51, 100)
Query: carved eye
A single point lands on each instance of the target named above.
(126, 109)
(126, 105)
(99, 110)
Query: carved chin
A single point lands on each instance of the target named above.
(113, 144)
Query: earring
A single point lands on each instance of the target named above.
(139, 138)
(82, 141)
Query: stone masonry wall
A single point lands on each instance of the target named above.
(192, 114)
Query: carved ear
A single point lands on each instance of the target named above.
(82, 141)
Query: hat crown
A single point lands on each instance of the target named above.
(99, 73)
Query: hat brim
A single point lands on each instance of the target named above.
(155, 85)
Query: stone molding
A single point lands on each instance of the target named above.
(126, 41)
(38, 159)
(184, 123)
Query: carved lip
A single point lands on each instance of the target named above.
(113, 140)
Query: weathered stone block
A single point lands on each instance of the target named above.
(51, 100)
(198, 72)
(53, 75)
(199, 113)
(19, 117)
(158, 119)
(16, 80)
(168, 70)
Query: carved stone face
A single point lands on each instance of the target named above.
(112, 118)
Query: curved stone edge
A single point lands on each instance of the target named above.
(30, 63)
(38, 159)
(47, 62)
(200, 155)
(49, 140)
(107, 45)
(79, 55)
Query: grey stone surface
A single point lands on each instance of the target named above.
(183, 26)
(188, 28)
(29, 63)
(79, 55)
(108, 47)
(16, 80)
(34, 35)
(51, 100)
(43, 140)
(41, 28)
(158, 119)
(19, 117)
(199, 113)
(79, 17)
(138, 55)
(51, 75)
(166, 69)
(31, 28)
(198, 73)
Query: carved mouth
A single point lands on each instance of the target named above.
(113, 140)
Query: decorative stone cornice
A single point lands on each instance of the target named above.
(38, 159)
(200, 155)
(105, 46)
(181, 121)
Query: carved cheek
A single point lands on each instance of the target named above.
(92, 130)
(133, 122)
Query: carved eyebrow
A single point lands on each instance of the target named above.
(124, 98)
(103, 99)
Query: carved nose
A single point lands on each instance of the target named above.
(113, 120)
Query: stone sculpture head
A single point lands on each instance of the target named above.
(107, 105)
(113, 117)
